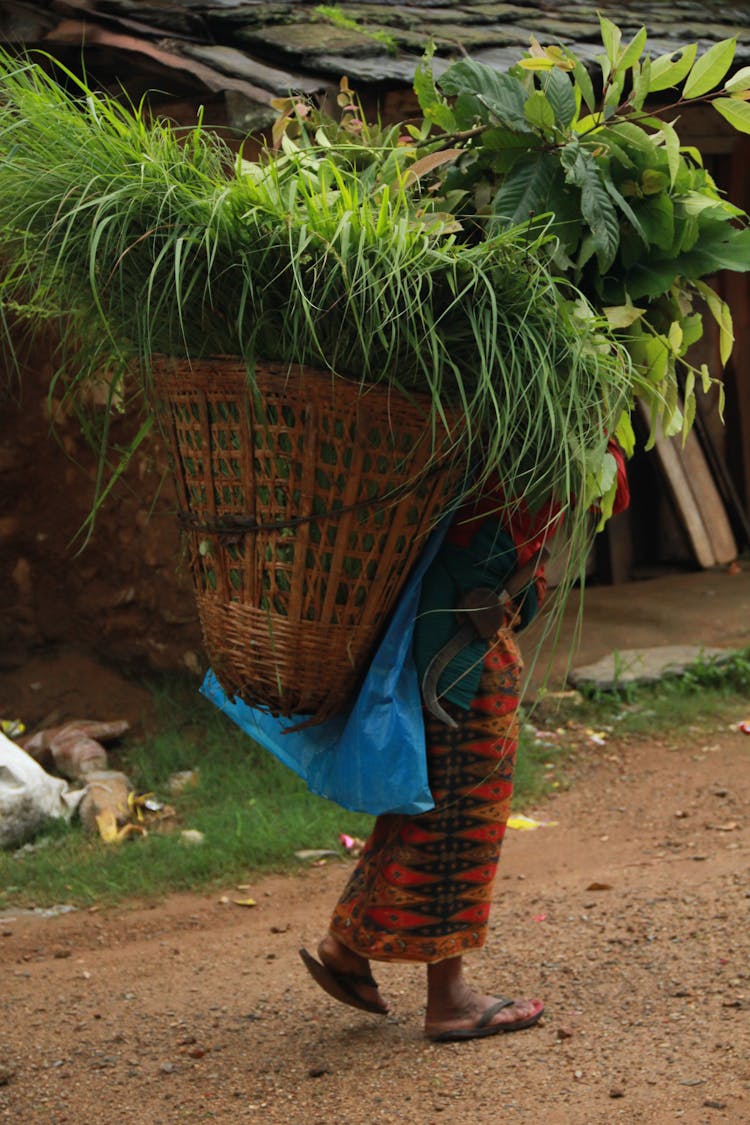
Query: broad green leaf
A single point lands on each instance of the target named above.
(502, 95)
(656, 215)
(418, 134)
(585, 85)
(562, 58)
(596, 206)
(539, 113)
(695, 203)
(688, 402)
(443, 116)
(589, 124)
(652, 279)
(687, 231)
(606, 68)
(634, 50)
(657, 358)
(631, 253)
(672, 148)
(626, 133)
(672, 421)
(735, 111)
(706, 379)
(507, 146)
(667, 71)
(561, 96)
(717, 247)
(469, 110)
(692, 329)
(606, 507)
(622, 316)
(607, 475)
(625, 434)
(526, 190)
(603, 488)
(674, 337)
(720, 311)
(739, 82)
(721, 400)
(613, 93)
(709, 70)
(653, 182)
(434, 107)
(611, 37)
(641, 84)
(627, 210)
(538, 63)
(608, 139)
(694, 153)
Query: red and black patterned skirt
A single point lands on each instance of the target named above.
(422, 888)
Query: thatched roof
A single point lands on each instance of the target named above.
(250, 51)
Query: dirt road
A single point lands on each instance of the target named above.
(629, 917)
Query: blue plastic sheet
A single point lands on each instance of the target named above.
(371, 759)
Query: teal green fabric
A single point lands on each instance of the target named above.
(488, 561)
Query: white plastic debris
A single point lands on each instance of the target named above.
(29, 797)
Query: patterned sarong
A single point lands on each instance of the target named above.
(422, 888)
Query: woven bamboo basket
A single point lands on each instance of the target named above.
(305, 499)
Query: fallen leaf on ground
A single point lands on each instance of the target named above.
(106, 822)
(528, 824)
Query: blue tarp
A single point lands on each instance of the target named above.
(371, 759)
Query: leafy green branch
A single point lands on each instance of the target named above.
(637, 219)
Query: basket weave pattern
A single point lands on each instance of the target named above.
(305, 499)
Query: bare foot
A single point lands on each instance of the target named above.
(478, 1016)
(456, 1011)
(355, 968)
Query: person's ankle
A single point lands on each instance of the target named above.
(333, 952)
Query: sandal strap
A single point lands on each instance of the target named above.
(491, 1012)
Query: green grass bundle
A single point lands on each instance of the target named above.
(140, 239)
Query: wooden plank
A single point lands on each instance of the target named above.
(682, 494)
(708, 500)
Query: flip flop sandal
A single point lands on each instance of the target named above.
(484, 1026)
(342, 986)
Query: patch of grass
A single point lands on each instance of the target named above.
(707, 692)
(255, 813)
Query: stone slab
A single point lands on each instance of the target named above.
(643, 665)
